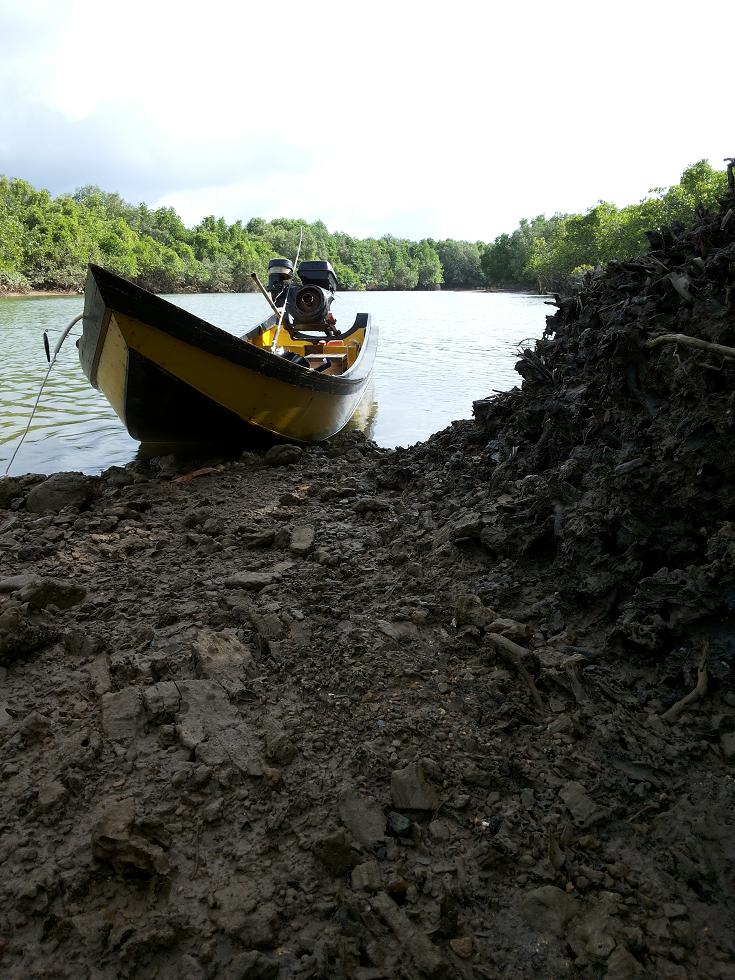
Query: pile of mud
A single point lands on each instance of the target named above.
(623, 436)
(464, 709)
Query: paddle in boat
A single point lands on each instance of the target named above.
(172, 377)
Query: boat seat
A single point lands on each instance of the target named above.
(337, 362)
(326, 347)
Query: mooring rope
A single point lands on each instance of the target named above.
(52, 361)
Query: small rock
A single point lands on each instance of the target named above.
(19, 636)
(397, 888)
(465, 528)
(213, 811)
(268, 626)
(40, 592)
(279, 748)
(162, 701)
(727, 744)
(475, 775)
(520, 632)
(335, 853)
(368, 505)
(282, 455)
(622, 965)
(561, 725)
(118, 839)
(411, 790)
(59, 491)
(363, 817)
(401, 632)
(673, 910)
(13, 487)
(252, 581)
(99, 674)
(470, 611)
(50, 795)
(583, 809)
(123, 715)
(261, 539)
(252, 965)
(223, 658)
(302, 539)
(546, 909)
(439, 831)
(399, 824)
(208, 723)
(92, 928)
(367, 877)
(233, 903)
(463, 946)
(201, 775)
(448, 916)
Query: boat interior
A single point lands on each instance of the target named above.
(325, 354)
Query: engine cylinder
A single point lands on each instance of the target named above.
(309, 304)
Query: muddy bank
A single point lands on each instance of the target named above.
(39, 293)
(460, 710)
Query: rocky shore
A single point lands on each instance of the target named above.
(465, 709)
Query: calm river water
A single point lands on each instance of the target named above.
(438, 352)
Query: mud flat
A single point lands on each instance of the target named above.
(464, 709)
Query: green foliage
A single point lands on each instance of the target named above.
(46, 243)
(547, 253)
(11, 244)
(461, 264)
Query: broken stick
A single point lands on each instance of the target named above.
(699, 690)
(513, 654)
(685, 341)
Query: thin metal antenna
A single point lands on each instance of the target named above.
(283, 310)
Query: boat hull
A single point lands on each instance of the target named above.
(172, 377)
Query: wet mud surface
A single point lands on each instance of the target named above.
(465, 709)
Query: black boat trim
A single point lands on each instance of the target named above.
(123, 296)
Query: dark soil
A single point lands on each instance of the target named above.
(465, 709)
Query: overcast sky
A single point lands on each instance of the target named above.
(417, 119)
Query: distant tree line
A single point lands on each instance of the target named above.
(550, 253)
(46, 243)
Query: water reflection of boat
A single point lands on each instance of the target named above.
(171, 376)
(365, 415)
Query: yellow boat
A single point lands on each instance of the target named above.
(172, 377)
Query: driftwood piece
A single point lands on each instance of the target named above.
(686, 341)
(699, 690)
(514, 655)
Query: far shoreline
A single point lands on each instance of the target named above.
(68, 293)
(42, 294)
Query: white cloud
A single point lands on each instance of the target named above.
(402, 117)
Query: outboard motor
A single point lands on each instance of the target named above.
(310, 302)
(279, 272)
